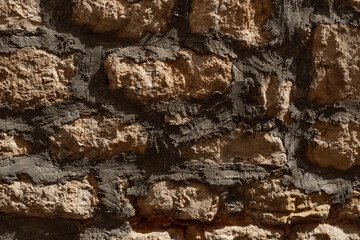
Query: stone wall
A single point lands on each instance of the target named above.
(179, 119)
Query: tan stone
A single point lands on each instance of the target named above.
(335, 146)
(177, 119)
(242, 19)
(127, 20)
(31, 77)
(272, 203)
(275, 96)
(11, 146)
(249, 232)
(209, 149)
(325, 231)
(191, 202)
(350, 210)
(179, 79)
(20, 14)
(74, 199)
(337, 64)
(257, 148)
(149, 236)
(97, 137)
(170, 234)
(123, 201)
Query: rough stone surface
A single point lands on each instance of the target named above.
(127, 20)
(177, 119)
(272, 203)
(275, 96)
(73, 199)
(350, 210)
(31, 77)
(170, 234)
(157, 80)
(335, 146)
(325, 231)
(97, 137)
(12, 146)
(242, 232)
(191, 202)
(257, 148)
(133, 234)
(242, 19)
(336, 62)
(191, 119)
(20, 14)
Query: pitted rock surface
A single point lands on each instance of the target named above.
(20, 14)
(257, 148)
(12, 145)
(242, 19)
(275, 96)
(191, 202)
(335, 146)
(337, 64)
(73, 199)
(31, 77)
(157, 80)
(97, 137)
(127, 20)
(179, 119)
(277, 205)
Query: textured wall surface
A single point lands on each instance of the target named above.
(179, 119)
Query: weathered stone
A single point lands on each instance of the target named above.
(31, 77)
(74, 199)
(97, 137)
(325, 231)
(127, 20)
(177, 119)
(20, 14)
(335, 146)
(257, 148)
(242, 19)
(170, 234)
(337, 64)
(12, 146)
(350, 210)
(194, 201)
(156, 80)
(208, 149)
(275, 96)
(123, 202)
(272, 203)
(249, 232)
(125, 232)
